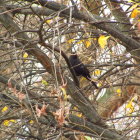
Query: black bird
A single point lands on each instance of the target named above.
(80, 69)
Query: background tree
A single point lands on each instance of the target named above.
(41, 97)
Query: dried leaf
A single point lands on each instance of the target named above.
(59, 116)
(17, 93)
(41, 111)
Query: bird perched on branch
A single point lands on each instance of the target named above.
(80, 69)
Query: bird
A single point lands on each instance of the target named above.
(80, 69)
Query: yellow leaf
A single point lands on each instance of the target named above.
(131, 110)
(99, 84)
(75, 108)
(48, 21)
(79, 115)
(64, 93)
(82, 79)
(14, 121)
(134, 6)
(111, 53)
(25, 55)
(80, 42)
(87, 43)
(97, 72)
(102, 40)
(89, 59)
(119, 91)
(133, 1)
(4, 109)
(44, 82)
(71, 41)
(130, 106)
(31, 122)
(6, 122)
(135, 13)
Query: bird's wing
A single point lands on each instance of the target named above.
(84, 71)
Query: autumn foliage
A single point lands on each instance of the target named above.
(41, 98)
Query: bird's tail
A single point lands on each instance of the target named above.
(94, 84)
